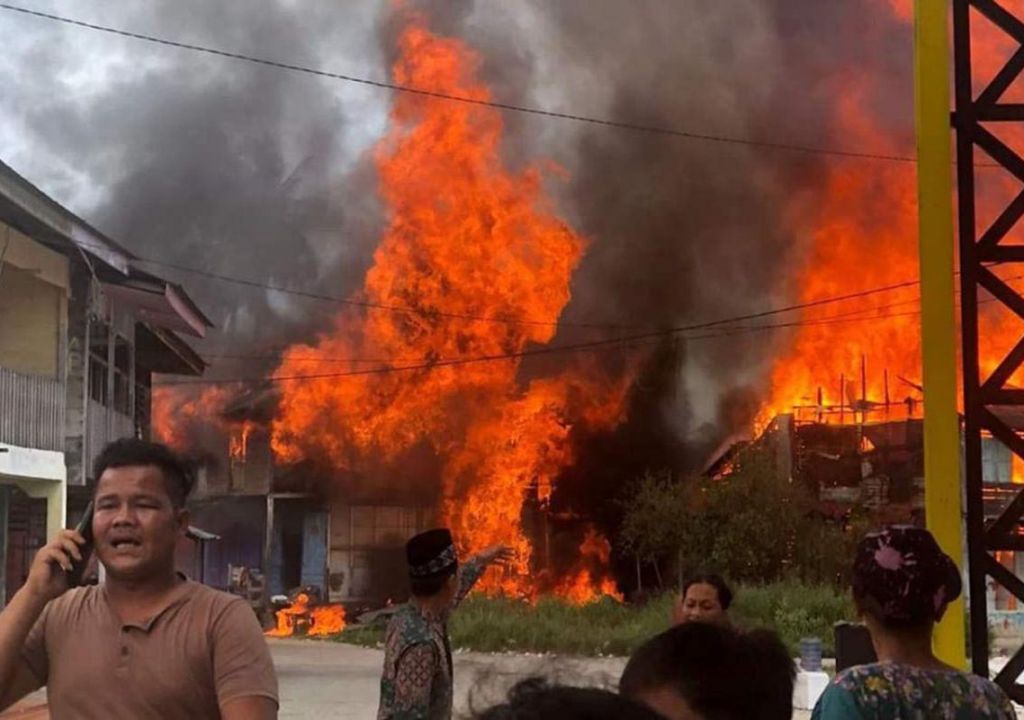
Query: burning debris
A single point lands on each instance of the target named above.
(303, 617)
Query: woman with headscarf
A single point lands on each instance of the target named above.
(902, 585)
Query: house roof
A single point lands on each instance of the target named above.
(164, 352)
(29, 209)
(157, 302)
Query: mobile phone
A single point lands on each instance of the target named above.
(84, 528)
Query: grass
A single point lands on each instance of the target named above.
(792, 609)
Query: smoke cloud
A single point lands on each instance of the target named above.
(261, 173)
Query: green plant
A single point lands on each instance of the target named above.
(793, 609)
(752, 524)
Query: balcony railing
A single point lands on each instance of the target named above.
(104, 425)
(31, 411)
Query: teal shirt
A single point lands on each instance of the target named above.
(886, 691)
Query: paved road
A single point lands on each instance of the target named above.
(327, 680)
(332, 680)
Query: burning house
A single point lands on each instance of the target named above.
(442, 389)
(868, 457)
(420, 404)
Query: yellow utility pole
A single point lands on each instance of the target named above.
(938, 310)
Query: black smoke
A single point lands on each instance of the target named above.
(257, 172)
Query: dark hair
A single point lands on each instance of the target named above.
(535, 699)
(132, 452)
(715, 581)
(425, 587)
(903, 579)
(720, 672)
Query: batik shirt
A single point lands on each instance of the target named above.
(887, 691)
(417, 679)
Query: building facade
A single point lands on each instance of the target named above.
(82, 333)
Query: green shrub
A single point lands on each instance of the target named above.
(794, 610)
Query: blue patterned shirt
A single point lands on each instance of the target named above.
(887, 691)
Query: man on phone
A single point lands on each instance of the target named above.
(147, 643)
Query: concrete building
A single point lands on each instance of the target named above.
(82, 332)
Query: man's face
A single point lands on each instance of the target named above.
(135, 524)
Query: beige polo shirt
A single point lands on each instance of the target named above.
(202, 650)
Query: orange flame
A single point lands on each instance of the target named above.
(289, 616)
(183, 416)
(590, 582)
(861, 360)
(320, 621)
(179, 412)
(327, 620)
(238, 446)
(466, 236)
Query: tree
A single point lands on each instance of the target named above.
(751, 524)
(650, 524)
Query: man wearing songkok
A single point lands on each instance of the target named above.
(417, 680)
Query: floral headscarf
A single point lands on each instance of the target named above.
(900, 575)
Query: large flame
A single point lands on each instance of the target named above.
(466, 236)
(180, 412)
(861, 360)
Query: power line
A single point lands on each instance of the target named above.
(553, 349)
(463, 316)
(400, 309)
(380, 84)
(482, 318)
(861, 315)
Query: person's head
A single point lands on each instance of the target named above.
(903, 582)
(139, 508)
(705, 671)
(433, 566)
(706, 598)
(535, 699)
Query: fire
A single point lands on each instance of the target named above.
(466, 236)
(590, 581)
(238, 445)
(288, 617)
(861, 360)
(327, 620)
(320, 621)
(179, 412)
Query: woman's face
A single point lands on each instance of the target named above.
(701, 604)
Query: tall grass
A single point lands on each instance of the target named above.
(792, 609)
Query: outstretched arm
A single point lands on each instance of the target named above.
(474, 568)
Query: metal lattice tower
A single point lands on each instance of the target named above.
(989, 402)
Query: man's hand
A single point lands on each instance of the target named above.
(497, 554)
(47, 578)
